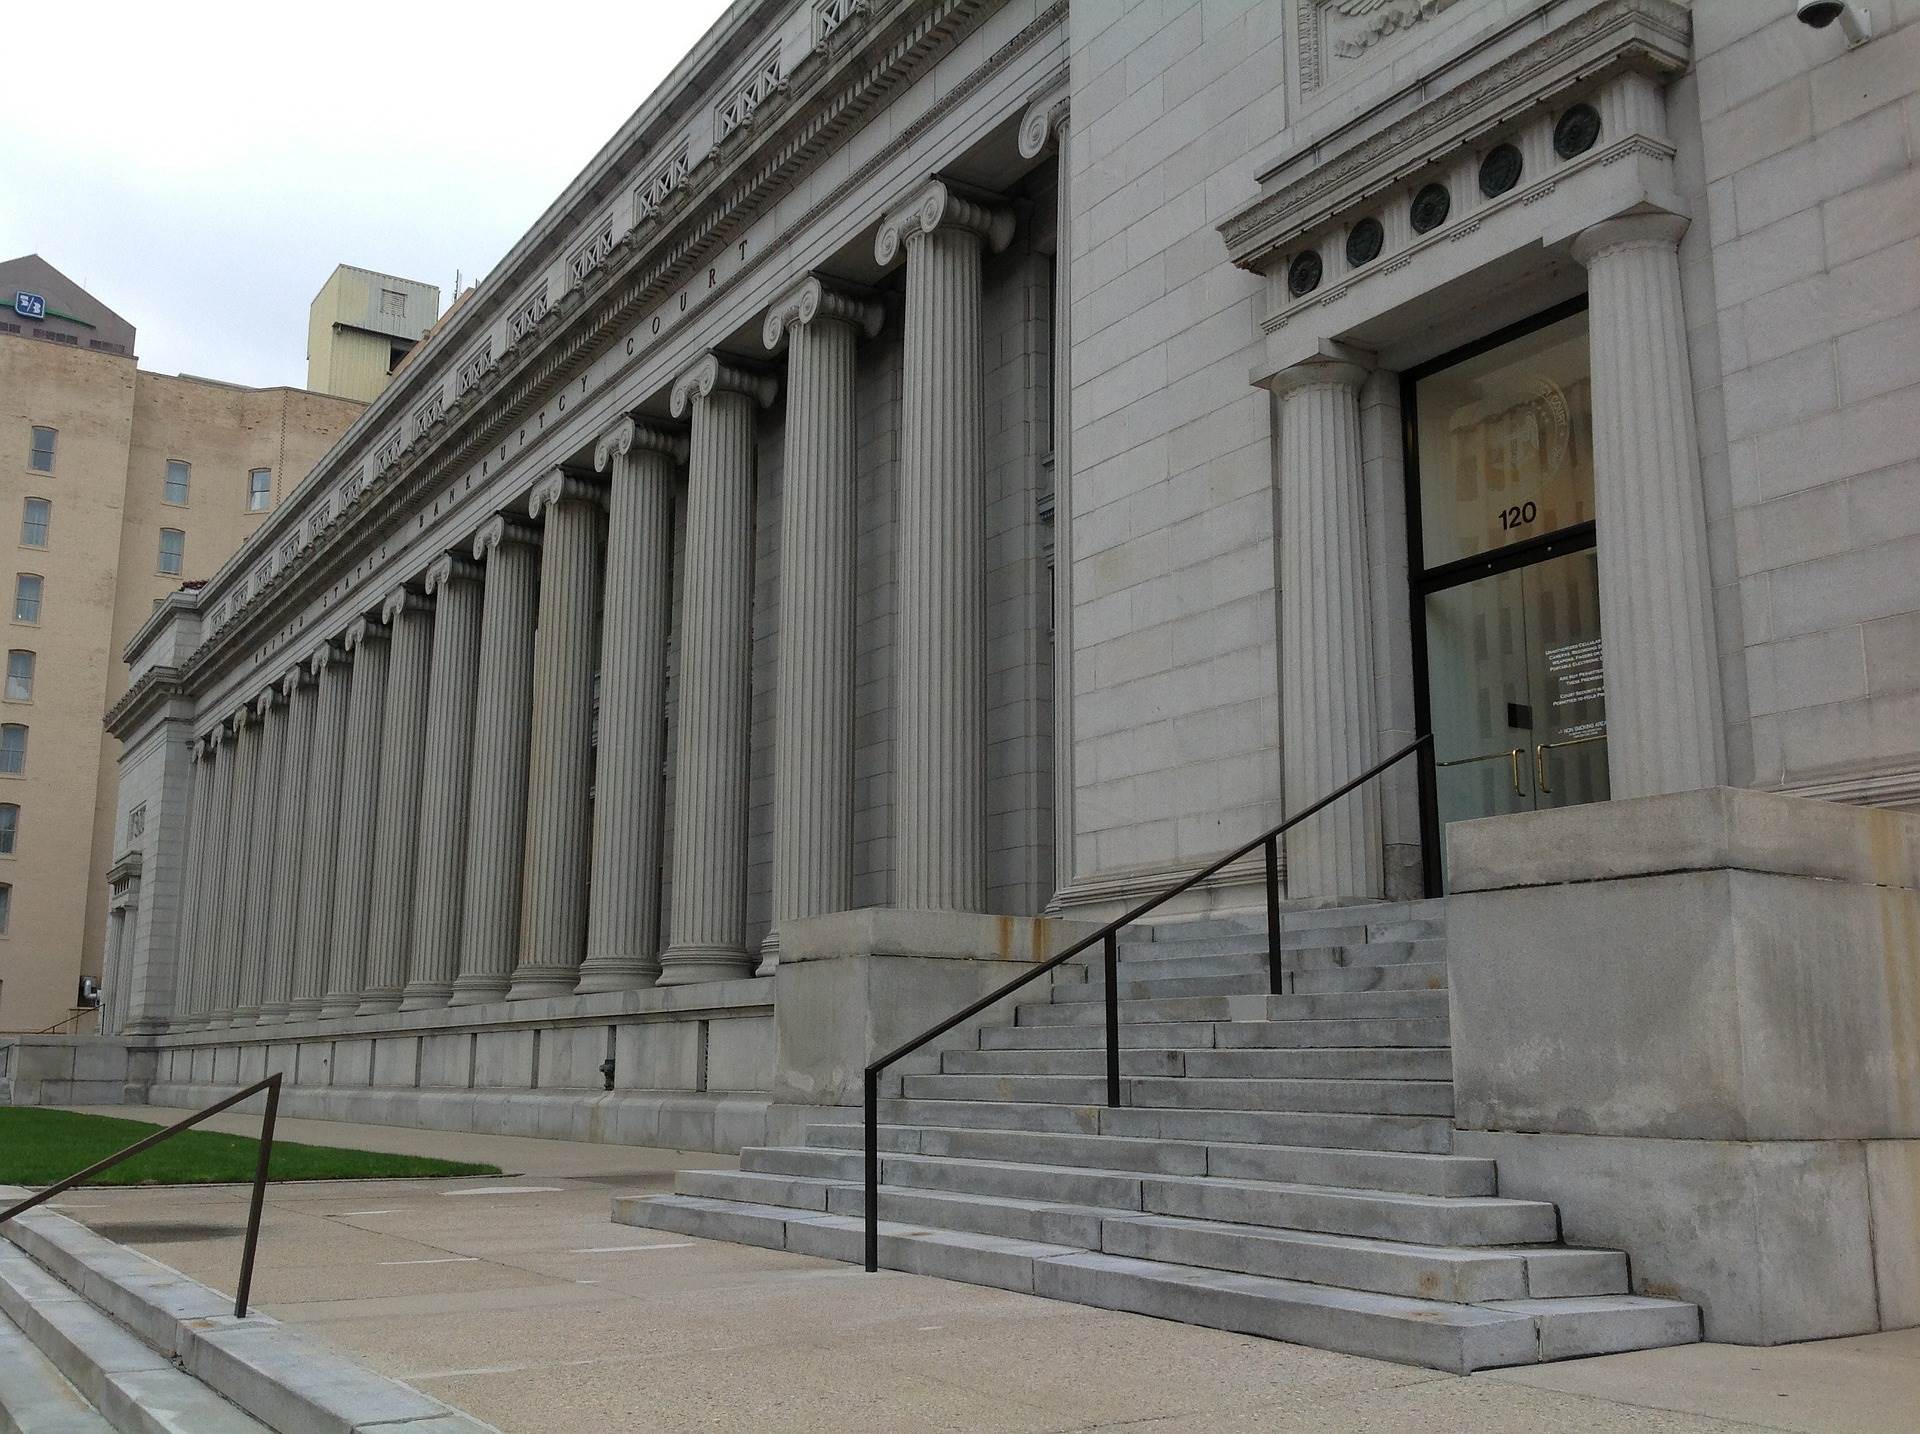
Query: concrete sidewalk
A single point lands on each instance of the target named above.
(516, 1299)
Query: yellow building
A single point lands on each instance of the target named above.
(361, 326)
(116, 486)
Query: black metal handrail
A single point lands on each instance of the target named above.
(1109, 937)
(271, 1085)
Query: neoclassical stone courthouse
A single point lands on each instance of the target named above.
(959, 461)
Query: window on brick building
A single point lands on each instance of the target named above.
(179, 480)
(19, 675)
(40, 451)
(26, 597)
(36, 517)
(13, 749)
(173, 550)
(259, 490)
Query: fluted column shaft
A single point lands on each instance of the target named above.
(360, 781)
(223, 993)
(213, 878)
(813, 735)
(320, 842)
(396, 829)
(440, 860)
(711, 762)
(195, 913)
(623, 914)
(1664, 731)
(283, 912)
(497, 796)
(553, 913)
(940, 704)
(270, 712)
(1328, 732)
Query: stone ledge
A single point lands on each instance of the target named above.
(946, 935)
(1716, 828)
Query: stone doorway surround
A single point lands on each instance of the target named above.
(1536, 163)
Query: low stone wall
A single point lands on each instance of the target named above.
(73, 1070)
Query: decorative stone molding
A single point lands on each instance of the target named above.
(525, 319)
(830, 18)
(627, 435)
(503, 528)
(1044, 117)
(713, 374)
(267, 701)
(447, 569)
(474, 367)
(1337, 374)
(936, 205)
(812, 299)
(592, 254)
(660, 185)
(293, 679)
(560, 486)
(747, 95)
(363, 630)
(400, 601)
(323, 657)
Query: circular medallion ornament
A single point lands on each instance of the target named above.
(1430, 208)
(1303, 274)
(1576, 131)
(1364, 241)
(1500, 170)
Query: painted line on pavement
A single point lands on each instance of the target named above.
(507, 1190)
(623, 1249)
(444, 1260)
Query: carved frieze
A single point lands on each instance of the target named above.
(430, 412)
(747, 95)
(653, 191)
(388, 453)
(592, 254)
(1336, 34)
(474, 367)
(527, 317)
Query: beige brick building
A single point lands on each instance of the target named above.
(120, 485)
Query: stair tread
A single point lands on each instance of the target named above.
(39, 1398)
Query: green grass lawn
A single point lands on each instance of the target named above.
(38, 1147)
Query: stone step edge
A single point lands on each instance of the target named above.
(1363, 1246)
(132, 1386)
(278, 1374)
(1455, 1338)
(39, 1398)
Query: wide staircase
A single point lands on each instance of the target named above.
(1281, 1165)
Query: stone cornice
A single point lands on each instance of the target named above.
(713, 374)
(151, 692)
(938, 204)
(1373, 153)
(812, 299)
(898, 44)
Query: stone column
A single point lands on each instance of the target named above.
(396, 830)
(497, 797)
(813, 733)
(1664, 731)
(213, 889)
(320, 841)
(440, 861)
(283, 912)
(270, 711)
(360, 777)
(1328, 732)
(716, 650)
(553, 915)
(623, 914)
(223, 993)
(194, 914)
(940, 704)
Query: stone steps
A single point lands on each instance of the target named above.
(1151, 961)
(1257, 1063)
(1433, 1333)
(1345, 1095)
(1334, 1005)
(1228, 1035)
(35, 1397)
(1399, 976)
(1432, 1135)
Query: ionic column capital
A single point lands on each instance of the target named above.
(1045, 119)
(812, 299)
(361, 631)
(293, 679)
(1318, 374)
(1653, 229)
(239, 720)
(504, 530)
(323, 657)
(713, 374)
(267, 701)
(627, 435)
(937, 205)
(448, 569)
(401, 601)
(560, 486)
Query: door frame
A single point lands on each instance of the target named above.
(1420, 583)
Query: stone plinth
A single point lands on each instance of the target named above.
(1694, 1022)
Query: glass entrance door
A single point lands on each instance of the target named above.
(1516, 693)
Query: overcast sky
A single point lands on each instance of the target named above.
(201, 168)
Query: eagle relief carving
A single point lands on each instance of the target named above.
(1347, 29)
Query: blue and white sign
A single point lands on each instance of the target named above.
(29, 306)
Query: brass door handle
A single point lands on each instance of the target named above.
(1513, 769)
(1513, 756)
(1540, 757)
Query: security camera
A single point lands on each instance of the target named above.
(1854, 21)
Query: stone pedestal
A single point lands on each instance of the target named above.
(623, 914)
(1693, 1021)
(366, 643)
(553, 917)
(716, 645)
(940, 644)
(853, 985)
(813, 733)
(320, 846)
(1656, 596)
(1328, 733)
(497, 798)
(453, 680)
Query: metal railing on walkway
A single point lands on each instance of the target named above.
(1108, 937)
(271, 1085)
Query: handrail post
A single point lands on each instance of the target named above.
(1273, 916)
(873, 1170)
(1113, 1019)
(259, 1196)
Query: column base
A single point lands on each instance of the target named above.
(340, 1004)
(273, 1015)
(245, 1016)
(304, 1010)
(769, 954)
(375, 1003)
(686, 965)
(532, 983)
(616, 973)
(478, 990)
(426, 995)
